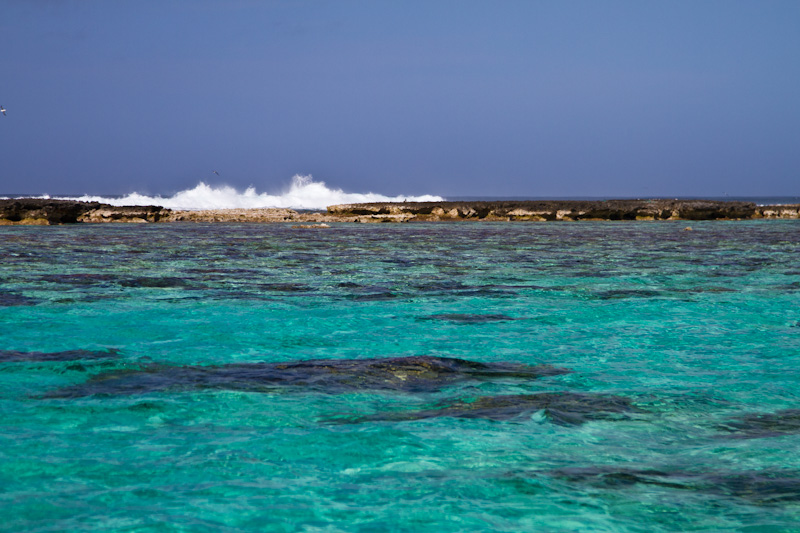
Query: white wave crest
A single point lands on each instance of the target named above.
(304, 193)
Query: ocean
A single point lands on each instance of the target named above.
(548, 377)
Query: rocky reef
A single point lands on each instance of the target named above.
(44, 211)
(37, 211)
(234, 215)
(560, 408)
(405, 374)
(760, 425)
(67, 355)
(549, 210)
(760, 488)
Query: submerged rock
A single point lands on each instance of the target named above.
(311, 226)
(562, 408)
(375, 297)
(14, 299)
(763, 488)
(468, 318)
(757, 425)
(163, 282)
(627, 293)
(408, 374)
(82, 280)
(68, 355)
(602, 476)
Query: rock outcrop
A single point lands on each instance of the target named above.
(43, 211)
(560, 408)
(778, 211)
(234, 215)
(553, 210)
(133, 213)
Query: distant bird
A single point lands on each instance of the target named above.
(3, 110)
(217, 173)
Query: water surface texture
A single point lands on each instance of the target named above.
(592, 376)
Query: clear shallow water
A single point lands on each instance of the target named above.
(700, 330)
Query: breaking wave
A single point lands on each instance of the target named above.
(304, 193)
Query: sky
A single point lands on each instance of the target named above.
(455, 98)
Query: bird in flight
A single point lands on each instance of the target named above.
(3, 110)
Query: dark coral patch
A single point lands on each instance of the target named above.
(762, 488)
(285, 287)
(757, 425)
(82, 280)
(68, 355)
(408, 374)
(375, 296)
(13, 299)
(627, 293)
(561, 408)
(462, 318)
(165, 282)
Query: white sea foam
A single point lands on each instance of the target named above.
(303, 193)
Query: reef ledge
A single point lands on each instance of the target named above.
(566, 210)
(39, 211)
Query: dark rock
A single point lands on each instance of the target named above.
(443, 287)
(762, 488)
(12, 299)
(653, 209)
(561, 408)
(165, 282)
(408, 374)
(68, 355)
(375, 297)
(758, 425)
(47, 211)
(78, 279)
(44, 210)
(617, 294)
(469, 319)
(285, 287)
(615, 477)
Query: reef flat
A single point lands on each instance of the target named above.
(38, 211)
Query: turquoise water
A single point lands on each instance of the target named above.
(140, 390)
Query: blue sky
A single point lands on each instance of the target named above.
(457, 98)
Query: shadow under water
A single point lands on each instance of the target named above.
(407, 374)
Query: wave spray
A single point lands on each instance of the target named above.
(303, 193)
